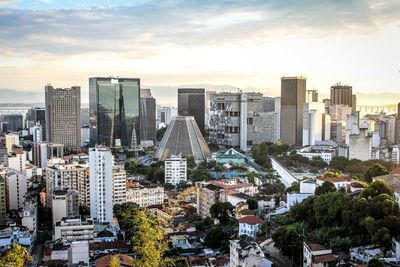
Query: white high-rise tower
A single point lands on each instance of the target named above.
(101, 184)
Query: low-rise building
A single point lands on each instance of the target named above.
(292, 198)
(74, 229)
(365, 253)
(231, 156)
(316, 255)
(250, 225)
(144, 196)
(209, 193)
(339, 182)
(78, 253)
(243, 253)
(312, 152)
(14, 234)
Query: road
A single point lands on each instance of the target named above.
(276, 256)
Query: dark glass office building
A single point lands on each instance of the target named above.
(147, 116)
(114, 111)
(191, 102)
(14, 122)
(293, 97)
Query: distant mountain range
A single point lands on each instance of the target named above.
(167, 95)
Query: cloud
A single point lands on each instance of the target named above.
(149, 29)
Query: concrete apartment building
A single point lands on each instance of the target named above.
(119, 185)
(144, 196)
(238, 120)
(101, 184)
(12, 139)
(68, 176)
(64, 204)
(175, 170)
(74, 229)
(360, 145)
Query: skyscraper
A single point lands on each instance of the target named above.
(37, 115)
(114, 111)
(341, 95)
(293, 97)
(147, 116)
(311, 96)
(191, 102)
(63, 116)
(239, 120)
(14, 122)
(101, 184)
(397, 138)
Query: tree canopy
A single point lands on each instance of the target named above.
(326, 187)
(253, 203)
(374, 171)
(222, 211)
(18, 256)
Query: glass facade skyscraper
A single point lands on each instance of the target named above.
(114, 111)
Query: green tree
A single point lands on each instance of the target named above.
(376, 188)
(84, 210)
(215, 236)
(275, 188)
(190, 161)
(222, 211)
(253, 203)
(18, 256)
(339, 163)
(382, 238)
(289, 240)
(326, 187)
(375, 263)
(148, 241)
(318, 162)
(374, 171)
(330, 174)
(294, 187)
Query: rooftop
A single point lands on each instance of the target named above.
(335, 179)
(315, 246)
(251, 220)
(324, 258)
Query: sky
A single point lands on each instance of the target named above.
(220, 44)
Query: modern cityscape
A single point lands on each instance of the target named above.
(190, 134)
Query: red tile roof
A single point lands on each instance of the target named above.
(395, 171)
(315, 246)
(230, 192)
(125, 260)
(251, 220)
(324, 258)
(246, 212)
